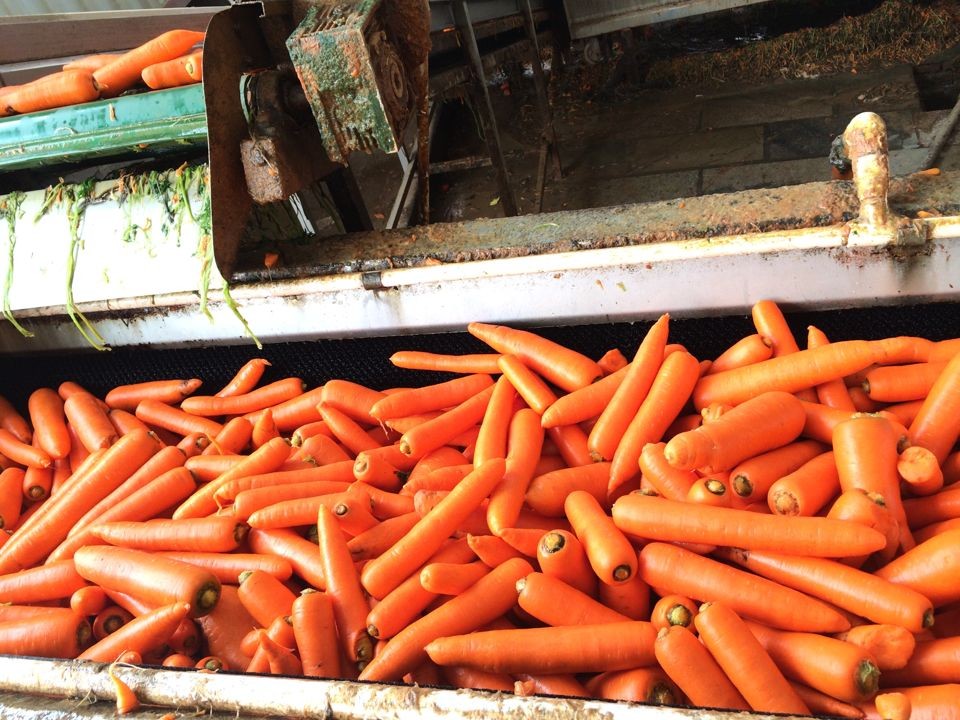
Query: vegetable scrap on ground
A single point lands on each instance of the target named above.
(775, 529)
(166, 61)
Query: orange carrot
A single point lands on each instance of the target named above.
(893, 706)
(937, 424)
(437, 432)
(868, 509)
(668, 520)
(171, 392)
(67, 87)
(561, 366)
(49, 423)
(667, 396)
(891, 646)
(87, 416)
(524, 443)
(807, 489)
(550, 650)
(611, 556)
(212, 534)
(225, 625)
(23, 453)
(691, 666)
(90, 62)
(561, 555)
(88, 600)
(648, 685)
(570, 442)
(465, 364)
(751, 479)
(918, 468)
(124, 72)
(832, 393)
(167, 417)
(151, 577)
(858, 592)
(554, 602)
(315, 631)
(930, 568)
(429, 397)
(180, 71)
(711, 490)
(298, 551)
(246, 378)
(143, 634)
(265, 396)
(902, 383)
(763, 423)
(11, 496)
(489, 598)
(746, 351)
(563, 685)
(451, 578)
(547, 493)
(45, 582)
(263, 429)
(109, 620)
(667, 480)
(686, 573)
(48, 635)
(613, 422)
(673, 609)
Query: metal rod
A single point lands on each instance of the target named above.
(349, 201)
(936, 147)
(485, 107)
(548, 131)
(465, 163)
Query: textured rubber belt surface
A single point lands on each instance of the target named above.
(366, 360)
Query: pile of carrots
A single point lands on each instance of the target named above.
(774, 529)
(168, 60)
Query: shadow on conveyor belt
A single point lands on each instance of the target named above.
(366, 360)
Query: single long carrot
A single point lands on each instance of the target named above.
(124, 72)
(429, 397)
(937, 424)
(789, 373)
(524, 442)
(489, 598)
(180, 71)
(752, 479)
(438, 362)
(167, 417)
(832, 393)
(902, 383)
(90, 62)
(265, 396)
(745, 662)
(246, 378)
(171, 392)
(683, 572)
(550, 650)
(611, 555)
(143, 634)
(212, 534)
(765, 422)
(529, 386)
(665, 400)
(583, 404)
(613, 422)
(932, 663)
(23, 453)
(858, 592)
(657, 518)
(439, 431)
(315, 632)
(565, 368)
(691, 666)
(45, 582)
(343, 586)
(67, 87)
(451, 578)
(298, 551)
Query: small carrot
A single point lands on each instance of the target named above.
(88, 600)
(23, 453)
(563, 685)
(561, 555)
(711, 490)
(524, 442)
(745, 351)
(940, 506)
(489, 598)
(89, 419)
(451, 578)
(807, 489)
(109, 620)
(667, 480)
(143, 634)
(49, 423)
(529, 386)
(891, 646)
(152, 577)
(752, 479)
(668, 520)
(691, 666)
(665, 400)
(180, 71)
(298, 551)
(547, 493)
(893, 706)
(167, 417)
(124, 72)
(245, 379)
(554, 602)
(937, 424)
(612, 361)
(178, 660)
(583, 404)
(610, 554)
(930, 568)
(464, 364)
(648, 685)
(264, 429)
(264, 596)
(772, 325)
(672, 610)
(550, 650)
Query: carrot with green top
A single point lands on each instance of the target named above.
(152, 577)
(613, 422)
(45, 408)
(465, 364)
(561, 555)
(561, 366)
(930, 568)
(752, 478)
(125, 72)
(611, 555)
(489, 598)
(787, 373)
(683, 572)
(865, 450)
(657, 518)
(550, 650)
(554, 602)
(691, 666)
(48, 527)
(806, 490)
(745, 662)
(763, 423)
(861, 593)
(405, 602)
(264, 459)
(49, 635)
(451, 578)
(384, 573)
(665, 400)
(583, 404)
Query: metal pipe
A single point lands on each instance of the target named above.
(865, 140)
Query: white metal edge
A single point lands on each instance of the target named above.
(584, 26)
